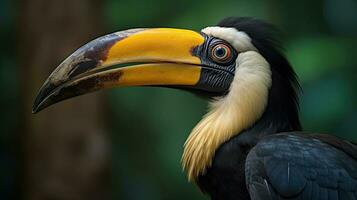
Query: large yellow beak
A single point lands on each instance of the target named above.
(158, 57)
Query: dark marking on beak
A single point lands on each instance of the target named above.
(95, 52)
(69, 90)
(82, 67)
(111, 77)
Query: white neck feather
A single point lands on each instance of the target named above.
(229, 115)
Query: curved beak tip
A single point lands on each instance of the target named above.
(36, 106)
(34, 111)
(41, 100)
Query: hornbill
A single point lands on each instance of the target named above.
(249, 145)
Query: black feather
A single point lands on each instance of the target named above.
(303, 166)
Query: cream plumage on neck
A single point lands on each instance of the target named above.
(238, 110)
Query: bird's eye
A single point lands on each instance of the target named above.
(221, 53)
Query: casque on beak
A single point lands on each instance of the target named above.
(157, 57)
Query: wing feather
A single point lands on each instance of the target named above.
(302, 166)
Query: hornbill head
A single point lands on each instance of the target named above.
(236, 63)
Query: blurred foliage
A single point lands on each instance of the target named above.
(149, 125)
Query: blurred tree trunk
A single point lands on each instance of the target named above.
(66, 149)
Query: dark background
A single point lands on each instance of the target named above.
(127, 143)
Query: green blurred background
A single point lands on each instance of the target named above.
(127, 143)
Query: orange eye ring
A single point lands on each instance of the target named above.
(221, 53)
